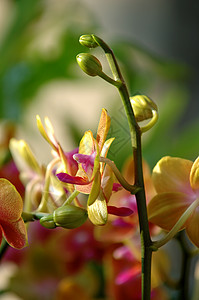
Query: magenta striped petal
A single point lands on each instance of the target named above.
(119, 211)
(64, 177)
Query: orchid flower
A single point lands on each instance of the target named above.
(33, 176)
(93, 177)
(12, 226)
(176, 205)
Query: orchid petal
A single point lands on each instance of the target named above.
(106, 147)
(71, 162)
(43, 132)
(97, 212)
(97, 160)
(86, 161)
(103, 128)
(119, 211)
(192, 228)
(23, 156)
(107, 182)
(194, 175)
(171, 174)
(165, 209)
(64, 177)
(95, 189)
(86, 145)
(15, 233)
(84, 189)
(128, 275)
(11, 204)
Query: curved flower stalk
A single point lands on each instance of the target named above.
(93, 177)
(12, 226)
(176, 205)
(118, 229)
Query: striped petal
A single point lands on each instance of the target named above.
(165, 209)
(97, 212)
(103, 128)
(171, 174)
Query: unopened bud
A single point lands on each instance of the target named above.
(143, 107)
(89, 64)
(68, 216)
(88, 41)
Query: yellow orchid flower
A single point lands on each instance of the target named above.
(93, 177)
(176, 205)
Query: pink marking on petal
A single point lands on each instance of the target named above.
(119, 211)
(64, 177)
(117, 187)
(87, 161)
(73, 166)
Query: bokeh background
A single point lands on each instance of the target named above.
(156, 43)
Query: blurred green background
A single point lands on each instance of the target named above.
(157, 48)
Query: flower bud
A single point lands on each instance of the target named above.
(88, 41)
(68, 216)
(89, 64)
(143, 107)
(48, 222)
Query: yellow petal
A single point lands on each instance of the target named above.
(171, 174)
(165, 209)
(97, 212)
(42, 130)
(103, 128)
(194, 175)
(192, 228)
(86, 145)
(95, 188)
(23, 156)
(107, 182)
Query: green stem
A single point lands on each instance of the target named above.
(32, 216)
(129, 187)
(71, 197)
(146, 243)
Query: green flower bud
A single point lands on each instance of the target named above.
(88, 41)
(48, 222)
(68, 216)
(89, 64)
(143, 107)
